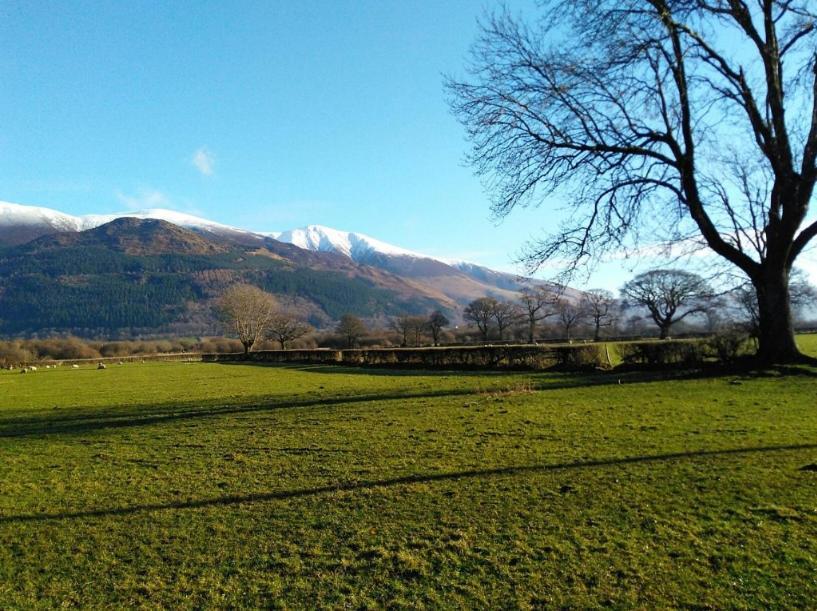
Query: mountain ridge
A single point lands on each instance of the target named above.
(456, 281)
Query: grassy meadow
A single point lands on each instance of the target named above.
(191, 485)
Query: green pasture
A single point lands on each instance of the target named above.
(175, 485)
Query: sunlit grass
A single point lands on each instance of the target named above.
(190, 485)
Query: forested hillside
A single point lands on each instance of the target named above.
(145, 276)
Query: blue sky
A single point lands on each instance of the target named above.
(263, 115)
(295, 112)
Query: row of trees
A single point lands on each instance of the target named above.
(537, 304)
(413, 329)
(668, 296)
(253, 315)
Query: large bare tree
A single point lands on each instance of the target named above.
(692, 119)
(246, 311)
(670, 295)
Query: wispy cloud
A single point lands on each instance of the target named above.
(144, 198)
(204, 161)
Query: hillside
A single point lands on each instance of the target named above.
(158, 271)
(454, 283)
(133, 276)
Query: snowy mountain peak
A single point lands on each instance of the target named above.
(356, 246)
(182, 219)
(20, 223)
(32, 217)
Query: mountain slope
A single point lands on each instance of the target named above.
(460, 281)
(20, 224)
(452, 283)
(131, 277)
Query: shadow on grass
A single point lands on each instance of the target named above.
(397, 481)
(93, 419)
(89, 419)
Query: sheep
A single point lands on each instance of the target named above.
(24, 370)
(32, 368)
(75, 366)
(101, 366)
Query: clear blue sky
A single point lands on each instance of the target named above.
(326, 112)
(264, 115)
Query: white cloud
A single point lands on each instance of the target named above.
(204, 161)
(143, 199)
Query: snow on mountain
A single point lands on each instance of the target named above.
(17, 215)
(20, 216)
(20, 223)
(356, 246)
(459, 281)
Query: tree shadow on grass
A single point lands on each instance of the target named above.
(229, 500)
(82, 420)
(93, 419)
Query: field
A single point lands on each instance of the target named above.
(190, 485)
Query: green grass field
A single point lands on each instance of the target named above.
(190, 485)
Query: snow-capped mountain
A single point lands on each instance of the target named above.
(455, 280)
(356, 246)
(459, 280)
(20, 224)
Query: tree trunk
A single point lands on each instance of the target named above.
(776, 325)
(531, 331)
(597, 333)
(664, 331)
(246, 348)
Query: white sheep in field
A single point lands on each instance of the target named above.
(24, 370)
(32, 368)
(75, 366)
(101, 366)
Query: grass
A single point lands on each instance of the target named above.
(190, 485)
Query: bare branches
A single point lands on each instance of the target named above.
(247, 311)
(669, 295)
(624, 109)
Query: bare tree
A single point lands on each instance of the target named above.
(598, 304)
(247, 311)
(505, 314)
(402, 325)
(436, 322)
(670, 295)
(803, 294)
(481, 313)
(538, 303)
(695, 117)
(351, 329)
(418, 326)
(570, 315)
(285, 327)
